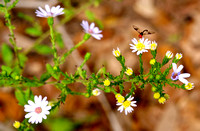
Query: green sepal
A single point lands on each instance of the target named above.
(50, 21)
(86, 36)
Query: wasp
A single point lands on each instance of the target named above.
(144, 32)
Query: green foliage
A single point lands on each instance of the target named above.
(52, 71)
(61, 124)
(7, 54)
(22, 59)
(13, 4)
(59, 40)
(96, 2)
(24, 96)
(43, 49)
(6, 1)
(45, 77)
(33, 31)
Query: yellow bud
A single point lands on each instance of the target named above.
(152, 61)
(16, 124)
(106, 82)
(161, 100)
(117, 95)
(120, 99)
(166, 96)
(153, 88)
(156, 95)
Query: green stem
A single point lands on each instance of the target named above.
(12, 35)
(52, 34)
(141, 64)
(71, 50)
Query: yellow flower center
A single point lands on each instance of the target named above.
(126, 104)
(120, 99)
(156, 95)
(153, 46)
(16, 124)
(106, 82)
(162, 100)
(117, 53)
(140, 46)
(189, 86)
(129, 71)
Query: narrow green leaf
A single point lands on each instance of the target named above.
(20, 97)
(28, 95)
(7, 54)
(26, 17)
(59, 40)
(45, 76)
(49, 68)
(23, 58)
(43, 49)
(33, 31)
(1, 5)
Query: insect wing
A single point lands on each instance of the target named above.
(137, 29)
(146, 32)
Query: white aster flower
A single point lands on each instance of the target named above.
(127, 105)
(140, 45)
(153, 45)
(92, 30)
(189, 86)
(96, 92)
(178, 56)
(117, 52)
(169, 54)
(176, 75)
(49, 12)
(38, 110)
(129, 71)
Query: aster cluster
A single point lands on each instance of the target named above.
(156, 78)
(38, 108)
